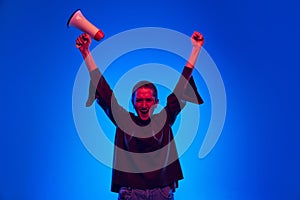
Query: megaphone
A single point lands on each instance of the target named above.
(79, 21)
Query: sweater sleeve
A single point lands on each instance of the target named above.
(184, 91)
(99, 89)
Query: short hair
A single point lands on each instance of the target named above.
(143, 84)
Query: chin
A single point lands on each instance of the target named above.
(144, 118)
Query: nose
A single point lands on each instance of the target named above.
(144, 103)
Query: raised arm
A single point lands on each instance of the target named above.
(197, 42)
(185, 89)
(98, 85)
(83, 43)
(99, 88)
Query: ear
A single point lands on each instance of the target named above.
(132, 99)
(156, 103)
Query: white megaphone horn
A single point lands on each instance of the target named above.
(79, 21)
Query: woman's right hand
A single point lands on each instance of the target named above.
(83, 42)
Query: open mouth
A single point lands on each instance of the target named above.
(144, 111)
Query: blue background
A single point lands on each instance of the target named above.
(255, 45)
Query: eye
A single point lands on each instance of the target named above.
(149, 100)
(138, 100)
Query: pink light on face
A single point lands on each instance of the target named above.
(144, 102)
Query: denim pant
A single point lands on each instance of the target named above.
(164, 193)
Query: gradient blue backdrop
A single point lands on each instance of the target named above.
(255, 45)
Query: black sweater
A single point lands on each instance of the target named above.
(145, 154)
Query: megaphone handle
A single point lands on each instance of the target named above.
(82, 39)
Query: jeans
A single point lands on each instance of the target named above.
(164, 193)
